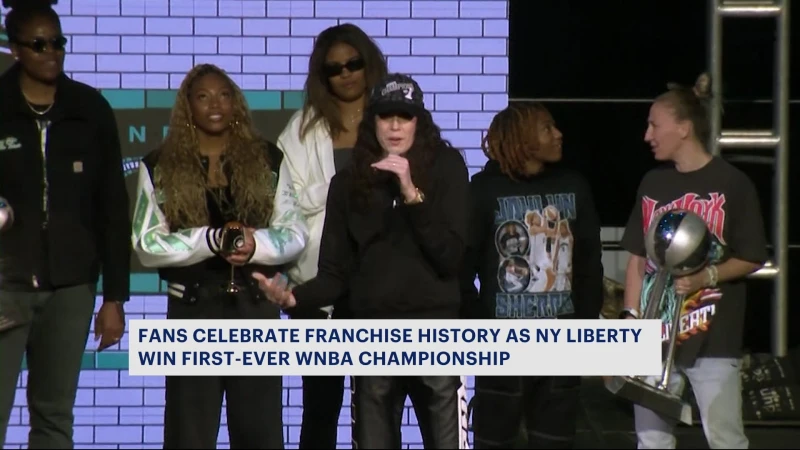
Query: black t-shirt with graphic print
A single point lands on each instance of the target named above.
(712, 320)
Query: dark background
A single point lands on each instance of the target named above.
(597, 65)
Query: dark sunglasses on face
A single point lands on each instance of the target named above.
(402, 115)
(40, 45)
(335, 69)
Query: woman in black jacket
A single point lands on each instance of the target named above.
(394, 236)
(61, 172)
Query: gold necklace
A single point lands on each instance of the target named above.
(356, 117)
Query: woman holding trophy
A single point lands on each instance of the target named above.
(214, 205)
(705, 336)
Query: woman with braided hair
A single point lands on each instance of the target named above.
(213, 178)
(558, 269)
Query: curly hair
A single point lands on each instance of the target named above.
(183, 180)
(319, 103)
(427, 142)
(513, 136)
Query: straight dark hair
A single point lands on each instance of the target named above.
(319, 103)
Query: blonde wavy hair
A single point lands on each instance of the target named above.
(183, 180)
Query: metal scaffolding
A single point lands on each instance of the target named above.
(776, 139)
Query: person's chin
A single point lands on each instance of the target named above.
(213, 129)
(350, 95)
(397, 150)
(48, 76)
(660, 156)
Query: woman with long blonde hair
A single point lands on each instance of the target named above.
(214, 205)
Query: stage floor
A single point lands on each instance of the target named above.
(608, 423)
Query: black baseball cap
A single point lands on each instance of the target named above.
(397, 93)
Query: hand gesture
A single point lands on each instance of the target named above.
(109, 325)
(691, 283)
(242, 255)
(400, 167)
(275, 289)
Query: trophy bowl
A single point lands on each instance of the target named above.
(6, 215)
(679, 242)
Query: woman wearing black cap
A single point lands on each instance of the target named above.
(393, 238)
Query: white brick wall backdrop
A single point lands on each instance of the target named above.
(457, 50)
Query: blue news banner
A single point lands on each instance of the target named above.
(395, 347)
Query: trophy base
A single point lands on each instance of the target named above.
(650, 397)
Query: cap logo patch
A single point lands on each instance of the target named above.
(407, 88)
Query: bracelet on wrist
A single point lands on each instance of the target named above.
(713, 276)
(633, 312)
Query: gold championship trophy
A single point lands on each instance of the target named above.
(679, 243)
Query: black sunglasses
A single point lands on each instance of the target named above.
(335, 69)
(40, 45)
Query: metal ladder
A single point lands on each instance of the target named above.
(776, 139)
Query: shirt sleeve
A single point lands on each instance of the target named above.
(748, 241)
(633, 237)
(587, 263)
(287, 235)
(440, 222)
(153, 242)
(311, 197)
(115, 221)
(478, 223)
(336, 256)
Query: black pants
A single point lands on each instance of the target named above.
(322, 406)
(322, 396)
(54, 334)
(194, 404)
(548, 406)
(378, 403)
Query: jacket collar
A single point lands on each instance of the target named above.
(67, 101)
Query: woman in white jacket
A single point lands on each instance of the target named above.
(317, 142)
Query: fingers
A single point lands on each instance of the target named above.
(237, 259)
(274, 288)
(108, 336)
(259, 277)
(107, 342)
(682, 286)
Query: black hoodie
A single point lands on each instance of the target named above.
(535, 247)
(394, 261)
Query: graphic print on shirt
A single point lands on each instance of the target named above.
(534, 243)
(699, 308)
